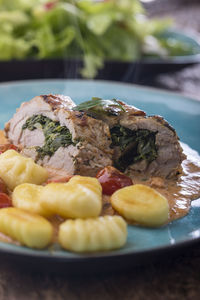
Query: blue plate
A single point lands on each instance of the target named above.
(182, 112)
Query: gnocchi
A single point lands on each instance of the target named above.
(97, 234)
(81, 197)
(27, 197)
(16, 169)
(141, 204)
(29, 229)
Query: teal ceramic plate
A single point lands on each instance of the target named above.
(182, 112)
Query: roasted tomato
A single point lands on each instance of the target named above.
(111, 180)
(58, 179)
(3, 188)
(5, 200)
(5, 147)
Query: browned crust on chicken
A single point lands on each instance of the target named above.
(169, 152)
(58, 101)
(91, 149)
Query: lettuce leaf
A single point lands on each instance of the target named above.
(94, 31)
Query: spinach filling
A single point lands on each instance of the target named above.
(135, 145)
(97, 107)
(55, 135)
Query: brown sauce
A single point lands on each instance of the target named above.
(179, 191)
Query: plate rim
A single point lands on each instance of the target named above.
(186, 96)
(83, 257)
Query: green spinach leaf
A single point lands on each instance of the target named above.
(56, 136)
(134, 145)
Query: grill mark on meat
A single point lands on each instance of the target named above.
(58, 101)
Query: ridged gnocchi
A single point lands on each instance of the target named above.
(141, 204)
(29, 229)
(16, 169)
(27, 197)
(81, 197)
(94, 234)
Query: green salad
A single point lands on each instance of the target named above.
(94, 31)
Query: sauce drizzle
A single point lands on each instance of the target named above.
(178, 191)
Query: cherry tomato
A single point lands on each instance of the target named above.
(5, 200)
(3, 188)
(111, 180)
(5, 147)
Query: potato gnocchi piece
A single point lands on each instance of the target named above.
(141, 204)
(81, 197)
(16, 169)
(97, 234)
(29, 229)
(89, 182)
(27, 196)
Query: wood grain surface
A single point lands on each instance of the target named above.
(171, 278)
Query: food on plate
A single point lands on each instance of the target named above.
(141, 143)
(94, 234)
(27, 197)
(5, 200)
(85, 138)
(3, 141)
(81, 197)
(112, 179)
(141, 204)
(28, 228)
(16, 169)
(3, 187)
(7, 146)
(49, 131)
(139, 170)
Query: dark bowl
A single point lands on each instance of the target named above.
(136, 72)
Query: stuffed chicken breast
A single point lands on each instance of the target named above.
(142, 144)
(48, 130)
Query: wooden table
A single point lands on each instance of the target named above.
(176, 277)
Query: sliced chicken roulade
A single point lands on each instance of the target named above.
(142, 144)
(48, 130)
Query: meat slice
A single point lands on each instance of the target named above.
(44, 105)
(168, 156)
(55, 136)
(142, 145)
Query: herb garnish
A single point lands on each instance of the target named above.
(98, 106)
(55, 135)
(135, 145)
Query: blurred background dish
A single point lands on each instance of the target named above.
(141, 71)
(110, 40)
